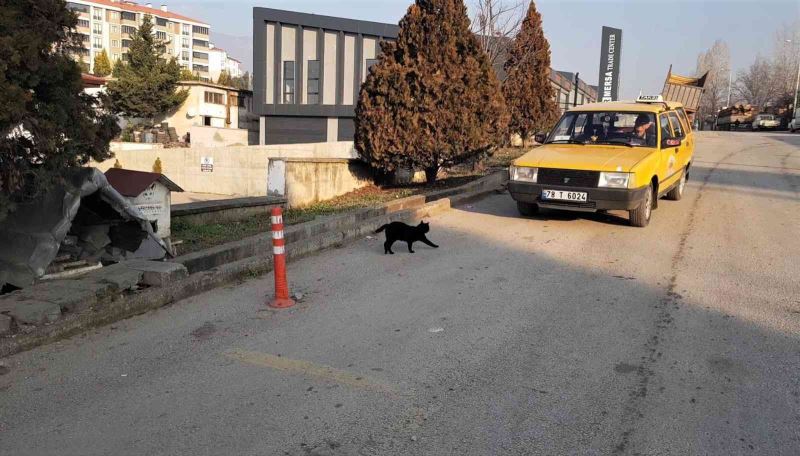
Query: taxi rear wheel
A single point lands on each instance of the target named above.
(677, 193)
(641, 215)
(527, 209)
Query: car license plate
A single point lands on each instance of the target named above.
(564, 195)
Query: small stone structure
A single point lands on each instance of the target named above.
(149, 192)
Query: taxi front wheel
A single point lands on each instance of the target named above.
(641, 215)
(527, 209)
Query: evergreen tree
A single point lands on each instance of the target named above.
(47, 123)
(187, 75)
(102, 66)
(146, 85)
(527, 89)
(432, 100)
(225, 79)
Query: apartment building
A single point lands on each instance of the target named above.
(219, 60)
(308, 71)
(108, 24)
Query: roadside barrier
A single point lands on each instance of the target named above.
(282, 299)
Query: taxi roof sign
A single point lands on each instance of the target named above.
(650, 99)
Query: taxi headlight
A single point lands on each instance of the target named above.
(615, 180)
(524, 173)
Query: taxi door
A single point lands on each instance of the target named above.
(684, 150)
(669, 155)
(687, 128)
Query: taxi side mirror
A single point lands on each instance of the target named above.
(540, 137)
(670, 142)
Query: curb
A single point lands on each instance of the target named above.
(308, 238)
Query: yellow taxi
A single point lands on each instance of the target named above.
(608, 156)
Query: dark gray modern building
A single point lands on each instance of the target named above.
(307, 73)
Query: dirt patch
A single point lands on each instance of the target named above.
(204, 332)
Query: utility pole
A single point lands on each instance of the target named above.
(575, 98)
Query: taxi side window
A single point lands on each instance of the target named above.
(666, 132)
(676, 125)
(687, 126)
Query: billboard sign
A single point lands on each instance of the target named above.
(610, 53)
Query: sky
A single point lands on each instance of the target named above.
(655, 34)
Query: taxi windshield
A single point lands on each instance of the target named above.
(632, 129)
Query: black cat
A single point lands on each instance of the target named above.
(399, 231)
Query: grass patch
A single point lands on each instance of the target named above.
(199, 237)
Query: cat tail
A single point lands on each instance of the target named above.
(381, 228)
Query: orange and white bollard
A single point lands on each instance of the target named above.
(282, 299)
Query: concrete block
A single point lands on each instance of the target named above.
(69, 295)
(5, 324)
(118, 276)
(31, 312)
(158, 273)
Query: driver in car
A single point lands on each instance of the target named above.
(643, 131)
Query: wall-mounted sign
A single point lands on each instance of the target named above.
(610, 53)
(207, 164)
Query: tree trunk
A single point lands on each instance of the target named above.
(430, 174)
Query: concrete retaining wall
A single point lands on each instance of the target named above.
(204, 212)
(311, 180)
(217, 137)
(237, 170)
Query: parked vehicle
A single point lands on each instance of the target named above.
(794, 123)
(685, 90)
(608, 156)
(735, 117)
(765, 122)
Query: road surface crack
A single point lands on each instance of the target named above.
(632, 410)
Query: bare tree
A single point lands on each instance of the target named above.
(785, 60)
(757, 85)
(495, 23)
(715, 61)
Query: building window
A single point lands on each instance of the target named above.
(288, 81)
(214, 98)
(83, 23)
(187, 29)
(97, 28)
(113, 15)
(162, 22)
(200, 30)
(200, 55)
(115, 56)
(115, 29)
(185, 42)
(200, 68)
(77, 8)
(97, 43)
(126, 43)
(97, 14)
(128, 16)
(161, 36)
(128, 29)
(114, 43)
(313, 82)
(185, 55)
(200, 43)
(84, 38)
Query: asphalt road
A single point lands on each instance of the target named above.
(560, 334)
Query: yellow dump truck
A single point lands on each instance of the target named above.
(684, 90)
